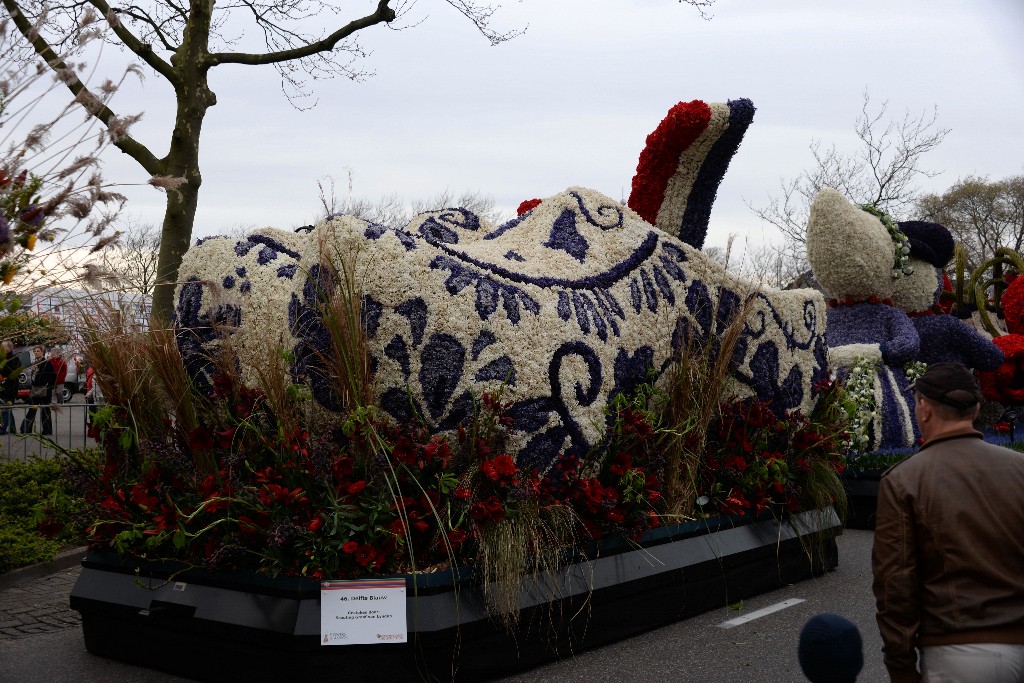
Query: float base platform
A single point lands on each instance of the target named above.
(220, 626)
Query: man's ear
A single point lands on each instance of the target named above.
(922, 408)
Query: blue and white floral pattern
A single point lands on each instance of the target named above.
(561, 309)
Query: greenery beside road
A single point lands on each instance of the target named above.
(25, 488)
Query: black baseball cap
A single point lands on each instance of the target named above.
(950, 383)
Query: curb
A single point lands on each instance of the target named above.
(63, 560)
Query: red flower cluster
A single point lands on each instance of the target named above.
(757, 461)
(1013, 306)
(1005, 384)
(624, 498)
(527, 205)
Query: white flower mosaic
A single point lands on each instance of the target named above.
(561, 308)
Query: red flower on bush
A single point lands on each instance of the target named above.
(165, 521)
(500, 469)
(736, 462)
(225, 437)
(621, 462)
(457, 537)
(49, 527)
(436, 452)
(144, 497)
(488, 511)
(635, 423)
(200, 439)
(736, 504)
(365, 555)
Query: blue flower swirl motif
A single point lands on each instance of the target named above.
(197, 331)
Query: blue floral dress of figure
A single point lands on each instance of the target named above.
(899, 343)
(947, 339)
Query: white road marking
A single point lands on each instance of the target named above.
(738, 621)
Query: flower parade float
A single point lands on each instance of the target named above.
(525, 439)
(884, 327)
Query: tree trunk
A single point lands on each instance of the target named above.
(174, 242)
(193, 95)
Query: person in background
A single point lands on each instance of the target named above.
(948, 556)
(40, 394)
(831, 649)
(60, 368)
(89, 384)
(93, 394)
(10, 370)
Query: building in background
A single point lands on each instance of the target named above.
(74, 308)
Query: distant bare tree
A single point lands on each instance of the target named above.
(394, 211)
(775, 264)
(883, 171)
(130, 264)
(982, 215)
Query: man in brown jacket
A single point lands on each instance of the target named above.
(948, 557)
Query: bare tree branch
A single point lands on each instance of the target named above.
(83, 95)
(883, 171)
(382, 15)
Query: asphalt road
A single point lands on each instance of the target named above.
(697, 649)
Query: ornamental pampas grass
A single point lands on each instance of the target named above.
(347, 359)
(691, 403)
(165, 362)
(116, 349)
(533, 542)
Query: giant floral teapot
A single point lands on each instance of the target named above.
(565, 306)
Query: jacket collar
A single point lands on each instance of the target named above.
(948, 436)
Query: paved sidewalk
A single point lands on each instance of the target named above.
(38, 606)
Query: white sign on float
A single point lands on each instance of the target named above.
(363, 612)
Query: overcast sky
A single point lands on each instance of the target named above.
(571, 101)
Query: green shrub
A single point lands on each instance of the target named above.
(32, 492)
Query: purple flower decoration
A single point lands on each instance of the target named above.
(32, 215)
(866, 323)
(947, 339)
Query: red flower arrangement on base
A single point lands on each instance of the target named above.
(367, 497)
(759, 461)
